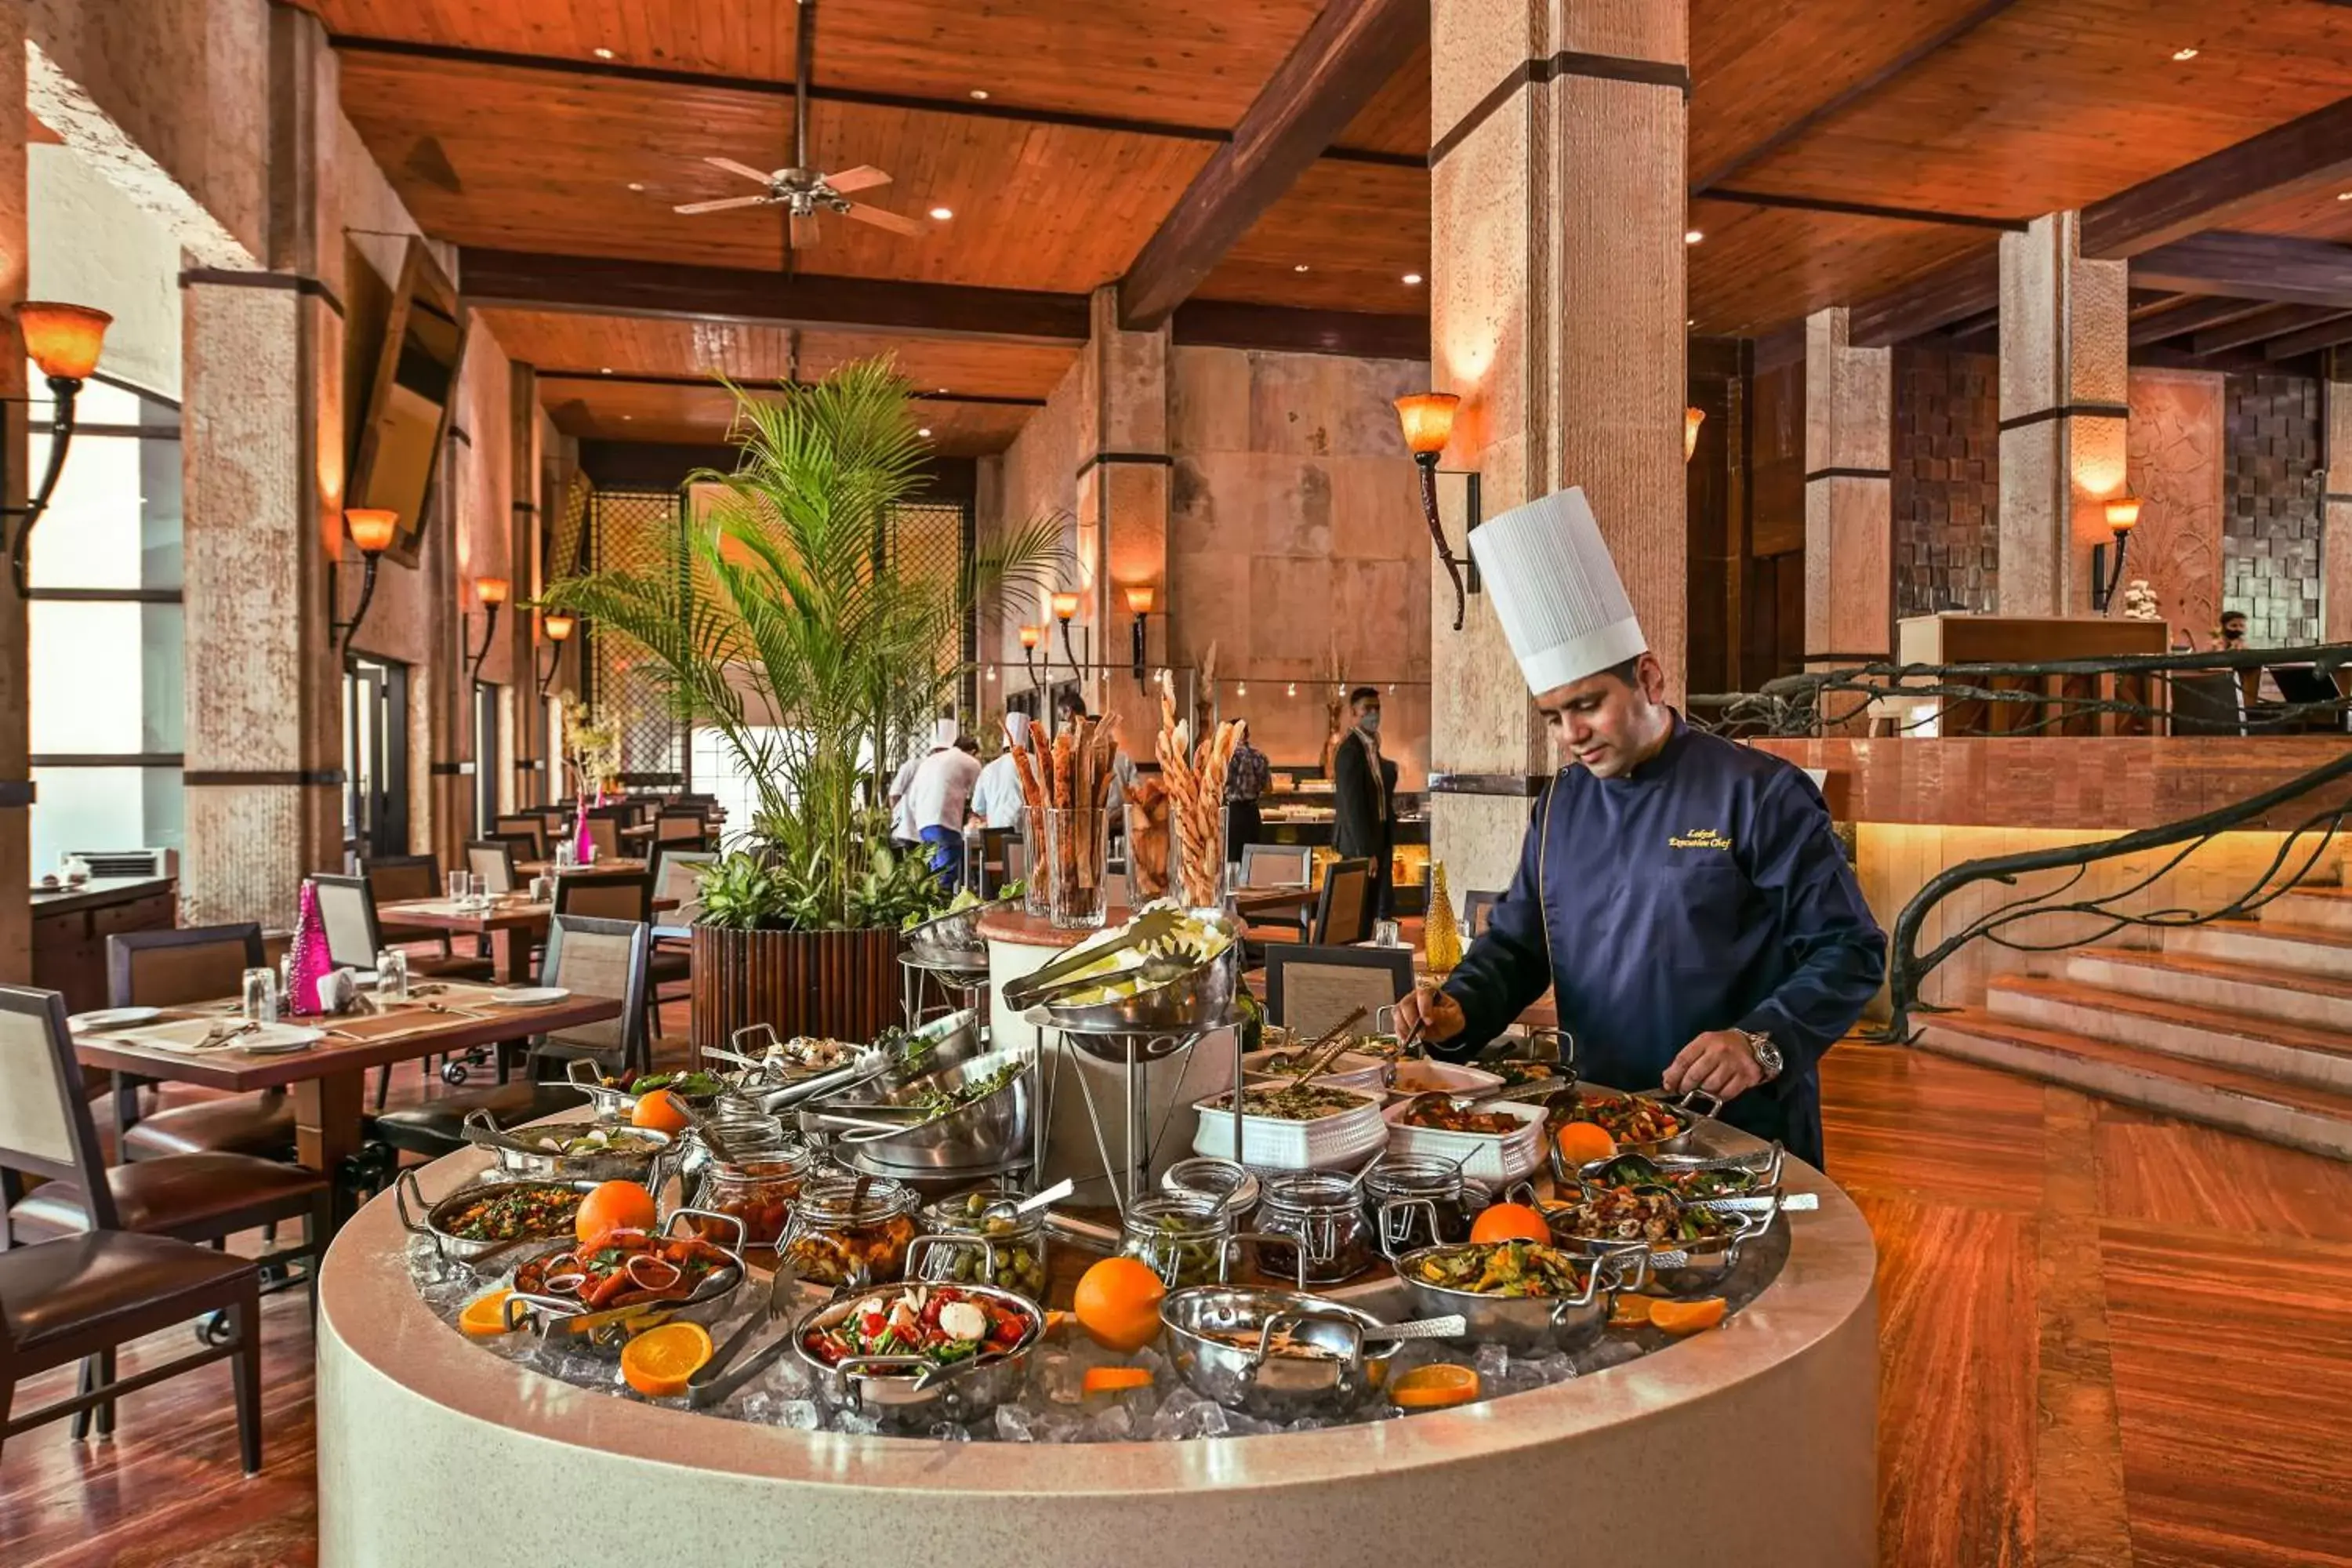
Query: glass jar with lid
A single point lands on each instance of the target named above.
(1419, 1200)
(1179, 1236)
(977, 1239)
(1206, 1177)
(758, 1186)
(1322, 1222)
(743, 1130)
(847, 1228)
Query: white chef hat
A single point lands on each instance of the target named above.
(1561, 601)
(1016, 728)
(944, 733)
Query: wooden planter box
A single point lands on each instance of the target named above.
(841, 986)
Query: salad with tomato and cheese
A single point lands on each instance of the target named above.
(941, 1323)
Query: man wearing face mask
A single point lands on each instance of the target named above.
(1682, 897)
(1364, 786)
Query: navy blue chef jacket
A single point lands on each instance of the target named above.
(1704, 890)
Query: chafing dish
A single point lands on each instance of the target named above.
(517, 1158)
(893, 1128)
(1525, 1323)
(1222, 1340)
(566, 1318)
(910, 1390)
(436, 1216)
(1686, 1266)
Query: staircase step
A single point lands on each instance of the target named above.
(2273, 944)
(2270, 1047)
(2311, 907)
(2293, 1115)
(2316, 1000)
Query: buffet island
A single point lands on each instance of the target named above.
(822, 1303)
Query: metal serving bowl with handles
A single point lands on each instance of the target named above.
(1682, 1267)
(891, 1129)
(910, 1390)
(569, 1319)
(519, 1158)
(1222, 1339)
(1524, 1323)
(437, 1215)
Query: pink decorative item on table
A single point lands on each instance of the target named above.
(582, 848)
(307, 963)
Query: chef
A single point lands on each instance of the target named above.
(1682, 897)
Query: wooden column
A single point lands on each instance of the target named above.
(1849, 517)
(1557, 314)
(16, 680)
(2064, 396)
(262, 451)
(1122, 495)
(2336, 516)
(526, 782)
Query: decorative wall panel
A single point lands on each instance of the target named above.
(2271, 520)
(2175, 469)
(1947, 489)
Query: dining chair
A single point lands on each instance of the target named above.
(347, 912)
(172, 969)
(394, 879)
(1343, 912)
(604, 834)
(1478, 913)
(591, 957)
(526, 825)
(1277, 865)
(492, 859)
(1308, 988)
(684, 829)
(605, 895)
(677, 874)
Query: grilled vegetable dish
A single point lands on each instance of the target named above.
(1437, 1111)
(1520, 1268)
(517, 1211)
(691, 1086)
(1516, 1073)
(1687, 1185)
(577, 1139)
(1293, 1102)
(1628, 1119)
(627, 1268)
(938, 1322)
(1639, 1213)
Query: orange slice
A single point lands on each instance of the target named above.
(1629, 1310)
(1114, 1379)
(658, 1363)
(1582, 1142)
(485, 1315)
(1435, 1386)
(1679, 1318)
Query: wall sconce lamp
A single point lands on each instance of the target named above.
(558, 628)
(1692, 419)
(1030, 637)
(1428, 421)
(1065, 610)
(64, 341)
(492, 591)
(2122, 516)
(1139, 600)
(371, 530)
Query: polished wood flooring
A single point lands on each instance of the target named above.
(2108, 1338)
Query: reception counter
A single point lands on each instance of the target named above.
(1753, 1443)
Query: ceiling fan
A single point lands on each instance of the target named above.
(800, 191)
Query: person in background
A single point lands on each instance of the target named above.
(2231, 636)
(904, 830)
(1364, 794)
(997, 798)
(939, 799)
(1069, 707)
(1246, 777)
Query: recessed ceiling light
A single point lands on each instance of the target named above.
(2186, 53)
(1300, 267)
(943, 213)
(1692, 237)
(1412, 277)
(603, 370)
(603, 54)
(981, 93)
(636, 184)
(1691, 322)
(943, 392)
(628, 416)
(2344, 195)
(925, 431)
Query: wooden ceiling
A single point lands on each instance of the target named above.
(523, 124)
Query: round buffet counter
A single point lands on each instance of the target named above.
(1752, 1443)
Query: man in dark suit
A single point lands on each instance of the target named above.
(1364, 789)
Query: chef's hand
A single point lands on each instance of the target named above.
(1439, 1016)
(1719, 1062)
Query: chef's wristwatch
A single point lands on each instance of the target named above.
(1768, 1055)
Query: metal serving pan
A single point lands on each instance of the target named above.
(518, 1161)
(1350, 1371)
(604, 1332)
(891, 1129)
(436, 1216)
(1526, 1322)
(908, 1390)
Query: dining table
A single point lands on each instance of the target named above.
(514, 925)
(327, 1080)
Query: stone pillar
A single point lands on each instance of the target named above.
(528, 574)
(262, 449)
(15, 686)
(2336, 514)
(2065, 410)
(1124, 469)
(1849, 503)
(1557, 314)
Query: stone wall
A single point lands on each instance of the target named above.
(2270, 522)
(1946, 472)
(2173, 465)
(92, 245)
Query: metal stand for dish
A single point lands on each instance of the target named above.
(1130, 1177)
(962, 973)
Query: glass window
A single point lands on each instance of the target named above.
(77, 809)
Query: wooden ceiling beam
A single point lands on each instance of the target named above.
(2270, 322)
(1952, 292)
(712, 383)
(610, 286)
(2311, 339)
(1231, 324)
(2211, 192)
(2196, 316)
(1348, 53)
(2274, 267)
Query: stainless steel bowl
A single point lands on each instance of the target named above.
(889, 1127)
(1200, 998)
(946, 1041)
(509, 1147)
(1522, 1323)
(1687, 1268)
(436, 1214)
(1352, 1373)
(907, 1391)
(563, 1318)
(955, 932)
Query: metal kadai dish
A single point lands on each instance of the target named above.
(445, 1221)
(1275, 1354)
(912, 1391)
(1562, 1299)
(521, 1154)
(554, 1292)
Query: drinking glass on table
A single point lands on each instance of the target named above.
(260, 1003)
(460, 883)
(478, 892)
(1387, 933)
(392, 974)
(566, 855)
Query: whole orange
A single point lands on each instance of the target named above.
(611, 1206)
(1582, 1142)
(1117, 1302)
(1509, 1222)
(658, 1111)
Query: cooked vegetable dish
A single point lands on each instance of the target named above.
(941, 1323)
(1517, 1072)
(580, 1138)
(1628, 1119)
(517, 1211)
(1293, 1102)
(627, 1268)
(934, 1102)
(1504, 1268)
(690, 1085)
(1437, 1111)
(1639, 1213)
(1689, 1186)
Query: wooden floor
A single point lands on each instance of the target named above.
(2108, 1339)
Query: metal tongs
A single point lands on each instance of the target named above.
(1039, 985)
(482, 1130)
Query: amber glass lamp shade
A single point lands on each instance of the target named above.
(1030, 635)
(372, 528)
(1428, 421)
(1692, 419)
(493, 590)
(63, 339)
(2123, 513)
(559, 628)
(1065, 606)
(1139, 599)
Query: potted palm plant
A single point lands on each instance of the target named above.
(782, 618)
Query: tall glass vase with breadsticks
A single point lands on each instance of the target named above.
(1194, 774)
(1067, 782)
